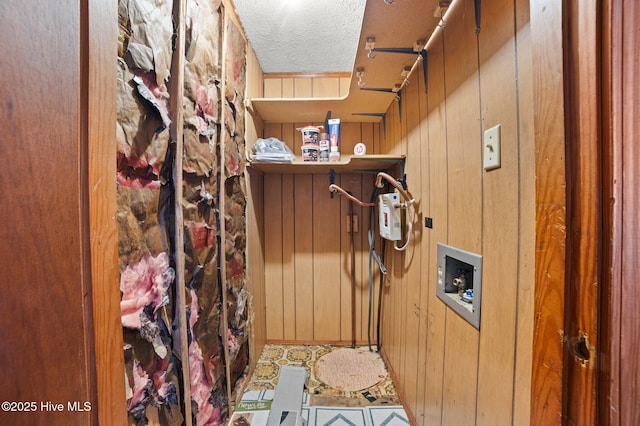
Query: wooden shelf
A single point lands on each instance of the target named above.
(347, 164)
(314, 110)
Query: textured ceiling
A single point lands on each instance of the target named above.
(303, 36)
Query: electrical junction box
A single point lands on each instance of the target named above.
(390, 217)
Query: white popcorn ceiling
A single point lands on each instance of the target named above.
(303, 36)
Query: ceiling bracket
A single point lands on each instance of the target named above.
(406, 50)
(423, 55)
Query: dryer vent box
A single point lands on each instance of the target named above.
(459, 281)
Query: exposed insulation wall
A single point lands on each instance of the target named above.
(212, 214)
(235, 238)
(201, 209)
(145, 215)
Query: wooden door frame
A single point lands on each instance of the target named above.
(618, 373)
(99, 47)
(586, 236)
(567, 106)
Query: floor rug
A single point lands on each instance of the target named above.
(265, 376)
(350, 369)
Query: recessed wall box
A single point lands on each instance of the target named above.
(459, 281)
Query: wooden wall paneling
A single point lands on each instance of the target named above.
(584, 147)
(437, 187)
(273, 248)
(620, 340)
(110, 405)
(628, 245)
(369, 316)
(273, 88)
(344, 83)
(288, 255)
(526, 273)
(288, 245)
(255, 214)
(500, 217)
(325, 87)
(397, 308)
(413, 254)
(256, 262)
(325, 225)
(349, 133)
(349, 136)
(366, 136)
(304, 274)
(609, 372)
(353, 184)
(422, 196)
(548, 109)
(255, 76)
(46, 322)
(464, 201)
(302, 88)
(287, 88)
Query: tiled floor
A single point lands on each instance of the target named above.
(254, 408)
(322, 405)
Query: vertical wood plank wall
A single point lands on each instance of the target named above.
(464, 375)
(448, 372)
(255, 224)
(296, 86)
(307, 248)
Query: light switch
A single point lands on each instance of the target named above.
(492, 148)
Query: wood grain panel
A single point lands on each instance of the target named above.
(344, 83)
(288, 258)
(423, 206)
(413, 254)
(302, 227)
(464, 196)
(109, 362)
(46, 323)
(438, 211)
(273, 228)
(287, 88)
(582, 103)
(273, 88)
(629, 245)
(501, 211)
(325, 87)
(524, 332)
(620, 329)
(302, 88)
(548, 110)
(353, 184)
(326, 268)
(255, 219)
(349, 134)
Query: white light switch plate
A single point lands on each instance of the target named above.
(492, 148)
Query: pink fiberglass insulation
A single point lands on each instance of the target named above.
(140, 381)
(144, 283)
(200, 386)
